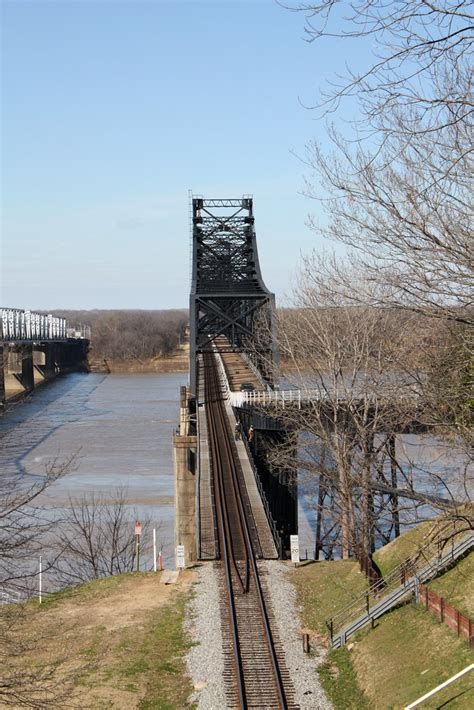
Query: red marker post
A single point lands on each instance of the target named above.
(138, 532)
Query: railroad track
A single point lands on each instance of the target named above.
(256, 677)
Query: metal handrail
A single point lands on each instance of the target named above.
(398, 577)
(297, 397)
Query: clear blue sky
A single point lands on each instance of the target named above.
(112, 110)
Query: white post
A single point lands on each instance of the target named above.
(154, 549)
(40, 580)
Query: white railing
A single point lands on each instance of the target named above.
(468, 669)
(276, 397)
(223, 374)
(20, 325)
(300, 396)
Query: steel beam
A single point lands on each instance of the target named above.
(228, 295)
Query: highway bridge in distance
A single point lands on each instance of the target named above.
(38, 344)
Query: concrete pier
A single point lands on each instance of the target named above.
(2, 378)
(24, 366)
(184, 449)
(27, 377)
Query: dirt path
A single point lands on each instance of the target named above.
(101, 645)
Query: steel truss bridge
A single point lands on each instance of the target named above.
(228, 296)
(17, 325)
(231, 505)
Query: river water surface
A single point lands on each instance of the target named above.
(119, 428)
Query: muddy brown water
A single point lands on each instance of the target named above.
(119, 428)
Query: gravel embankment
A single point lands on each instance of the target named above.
(205, 661)
(309, 694)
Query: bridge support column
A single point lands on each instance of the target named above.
(184, 448)
(2, 378)
(46, 360)
(26, 377)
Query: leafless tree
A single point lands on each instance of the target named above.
(397, 186)
(416, 49)
(364, 374)
(25, 532)
(96, 539)
(132, 334)
(25, 524)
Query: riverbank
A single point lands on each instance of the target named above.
(115, 642)
(405, 655)
(178, 361)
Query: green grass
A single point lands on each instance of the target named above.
(407, 654)
(157, 661)
(325, 587)
(339, 680)
(424, 535)
(83, 593)
(457, 586)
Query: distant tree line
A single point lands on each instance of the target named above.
(132, 334)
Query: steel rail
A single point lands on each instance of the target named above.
(223, 524)
(229, 537)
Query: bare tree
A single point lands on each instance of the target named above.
(25, 532)
(418, 50)
(362, 368)
(25, 524)
(397, 186)
(132, 334)
(97, 538)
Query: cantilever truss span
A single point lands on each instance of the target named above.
(228, 295)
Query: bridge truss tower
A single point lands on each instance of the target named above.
(228, 295)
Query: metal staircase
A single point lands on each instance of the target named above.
(390, 591)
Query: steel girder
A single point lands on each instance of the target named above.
(228, 294)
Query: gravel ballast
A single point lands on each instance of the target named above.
(281, 593)
(205, 660)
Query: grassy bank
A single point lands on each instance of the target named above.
(429, 537)
(407, 653)
(112, 643)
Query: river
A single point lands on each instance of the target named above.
(119, 428)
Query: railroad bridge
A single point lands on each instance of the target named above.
(223, 511)
(232, 349)
(35, 347)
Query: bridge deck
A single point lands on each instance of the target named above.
(207, 530)
(238, 371)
